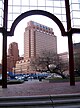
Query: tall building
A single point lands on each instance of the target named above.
(13, 56)
(64, 62)
(38, 38)
(76, 49)
(13, 50)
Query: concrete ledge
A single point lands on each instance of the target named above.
(41, 101)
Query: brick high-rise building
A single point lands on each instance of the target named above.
(13, 55)
(38, 38)
(13, 50)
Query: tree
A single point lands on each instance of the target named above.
(62, 65)
(55, 69)
(42, 61)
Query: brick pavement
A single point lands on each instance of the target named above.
(29, 88)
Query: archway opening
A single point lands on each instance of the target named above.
(20, 28)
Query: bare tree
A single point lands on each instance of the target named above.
(62, 65)
(42, 61)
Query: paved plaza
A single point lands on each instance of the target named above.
(32, 88)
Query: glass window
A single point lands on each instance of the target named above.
(65, 25)
(72, 23)
(33, 2)
(10, 2)
(33, 8)
(0, 4)
(79, 1)
(10, 17)
(25, 2)
(49, 3)
(57, 4)
(57, 10)
(75, 1)
(75, 7)
(0, 12)
(15, 16)
(16, 9)
(24, 9)
(41, 8)
(70, 1)
(41, 2)
(63, 11)
(76, 22)
(9, 24)
(70, 8)
(72, 15)
(0, 21)
(49, 9)
(16, 2)
(62, 3)
(59, 17)
(9, 9)
(63, 17)
(76, 14)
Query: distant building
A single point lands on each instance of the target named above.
(23, 66)
(38, 38)
(14, 51)
(13, 56)
(10, 63)
(76, 49)
(64, 56)
(64, 60)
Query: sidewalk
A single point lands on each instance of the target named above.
(32, 88)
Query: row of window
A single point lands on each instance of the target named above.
(38, 2)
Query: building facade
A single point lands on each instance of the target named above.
(13, 50)
(23, 66)
(38, 38)
(76, 49)
(64, 62)
(64, 56)
(13, 56)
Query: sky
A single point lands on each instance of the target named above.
(62, 42)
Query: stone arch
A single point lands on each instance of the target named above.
(36, 12)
